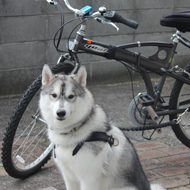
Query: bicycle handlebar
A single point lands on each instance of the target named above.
(69, 6)
(115, 17)
(110, 15)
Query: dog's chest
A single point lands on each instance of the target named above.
(84, 161)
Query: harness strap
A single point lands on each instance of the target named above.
(95, 136)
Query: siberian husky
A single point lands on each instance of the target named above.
(91, 153)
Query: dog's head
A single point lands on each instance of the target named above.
(64, 98)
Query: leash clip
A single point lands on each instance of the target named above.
(180, 117)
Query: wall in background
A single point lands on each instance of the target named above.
(28, 27)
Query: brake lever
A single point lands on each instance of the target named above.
(103, 21)
(114, 25)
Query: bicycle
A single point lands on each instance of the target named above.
(25, 146)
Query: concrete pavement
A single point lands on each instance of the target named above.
(164, 159)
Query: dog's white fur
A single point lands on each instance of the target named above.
(97, 165)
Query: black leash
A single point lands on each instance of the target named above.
(101, 136)
(148, 127)
(95, 136)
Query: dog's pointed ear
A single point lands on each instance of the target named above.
(81, 76)
(47, 75)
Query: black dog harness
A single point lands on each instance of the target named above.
(96, 136)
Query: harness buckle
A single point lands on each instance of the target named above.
(111, 141)
(116, 143)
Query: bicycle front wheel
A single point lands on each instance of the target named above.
(180, 99)
(26, 147)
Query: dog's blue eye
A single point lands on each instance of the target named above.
(71, 96)
(54, 95)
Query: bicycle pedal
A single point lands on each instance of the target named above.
(145, 100)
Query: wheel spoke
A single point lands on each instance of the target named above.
(26, 140)
(35, 144)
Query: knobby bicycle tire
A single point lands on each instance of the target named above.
(19, 169)
(181, 92)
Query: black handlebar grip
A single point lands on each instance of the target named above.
(115, 17)
(128, 22)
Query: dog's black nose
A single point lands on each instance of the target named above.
(61, 113)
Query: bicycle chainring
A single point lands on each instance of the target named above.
(137, 113)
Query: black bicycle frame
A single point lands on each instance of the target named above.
(144, 64)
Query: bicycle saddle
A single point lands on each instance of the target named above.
(179, 20)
